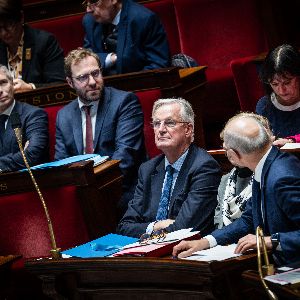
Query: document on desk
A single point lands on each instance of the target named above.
(98, 159)
(290, 146)
(290, 277)
(218, 253)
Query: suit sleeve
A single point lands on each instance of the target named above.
(60, 145)
(288, 193)
(133, 223)
(240, 227)
(129, 140)
(198, 208)
(52, 61)
(156, 44)
(34, 131)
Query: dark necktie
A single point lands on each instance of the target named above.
(88, 130)
(163, 208)
(110, 35)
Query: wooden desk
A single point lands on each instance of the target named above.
(257, 292)
(141, 278)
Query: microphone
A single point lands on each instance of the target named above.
(17, 127)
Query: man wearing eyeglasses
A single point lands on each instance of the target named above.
(33, 56)
(177, 189)
(126, 36)
(102, 120)
(275, 203)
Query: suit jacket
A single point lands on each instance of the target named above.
(34, 129)
(280, 200)
(193, 199)
(142, 42)
(46, 62)
(118, 132)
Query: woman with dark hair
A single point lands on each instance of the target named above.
(280, 75)
(33, 57)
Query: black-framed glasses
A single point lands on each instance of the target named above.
(84, 78)
(158, 236)
(170, 123)
(90, 3)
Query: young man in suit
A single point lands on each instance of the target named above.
(138, 41)
(177, 189)
(34, 129)
(33, 56)
(101, 120)
(275, 203)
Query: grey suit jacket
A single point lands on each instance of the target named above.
(193, 199)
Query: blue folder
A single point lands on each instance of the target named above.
(101, 247)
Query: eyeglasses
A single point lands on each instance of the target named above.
(84, 78)
(168, 123)
(91, 3)
(158, 236)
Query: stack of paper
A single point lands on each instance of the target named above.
(216, 253)
(290, 277)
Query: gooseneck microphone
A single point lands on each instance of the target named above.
(17, 127)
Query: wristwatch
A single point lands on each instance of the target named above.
(275, 240)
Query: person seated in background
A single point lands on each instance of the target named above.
(126, 36)
(33, 56)
(275, 202)
(177, 189)
(234, 191)
(280, 75)
(34, 129)
(101, 120)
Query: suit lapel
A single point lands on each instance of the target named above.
(181, 178)
(272, 155)
(122, 34)
(77, 127)
(103, 107)
(157, 179)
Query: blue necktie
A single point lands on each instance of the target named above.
(163, 208)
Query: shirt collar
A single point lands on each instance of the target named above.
(178, 163)
(93, 104)
(283, 107)
(116, 20)
(260, 165)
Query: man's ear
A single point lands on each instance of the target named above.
(70, 82)
(233, 156)
(189, 129)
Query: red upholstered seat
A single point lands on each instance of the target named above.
(52, 112)
(147, 99)
(246, 79)
(25, 230)
(68, 30)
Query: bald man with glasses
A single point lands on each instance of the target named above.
(102, 120)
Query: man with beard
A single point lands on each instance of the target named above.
(101, 120)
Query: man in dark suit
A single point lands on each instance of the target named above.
(113, 124)
(275, 203)
(34, 129)
(192, 194)
(33, 56)
(138, 41)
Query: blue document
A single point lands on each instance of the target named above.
(95, 157)
(101, 247)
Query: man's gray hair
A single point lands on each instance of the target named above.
(186, 111)
(6, 72)
(247, 144)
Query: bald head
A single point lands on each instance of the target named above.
(247, 133)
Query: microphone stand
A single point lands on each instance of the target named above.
(55, 252)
